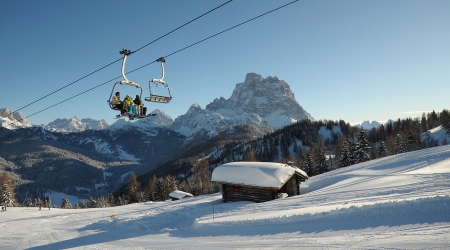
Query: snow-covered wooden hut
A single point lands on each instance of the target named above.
(178, 195)
(257, 181)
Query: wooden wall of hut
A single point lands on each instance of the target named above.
(247, 193)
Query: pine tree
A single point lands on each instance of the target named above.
(37, 202)
(331, 164)
(92, 203)
(6, 196)
(344, 157)
(65, 203)
(432, 120)
(399, 145)
(321, 162)
(134, 192)
(389, 129)
(121, 201)
(111, 200)
(309, 164)
(363, 148)
(352, 152)
(5, 179)
(444, 119)
(82, 204)
(411, 144)
(149, 191)
(47, 201)
(382, 151)
(423, 122)
(382, 133)
(159, 190)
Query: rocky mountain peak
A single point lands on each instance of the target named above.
(195, 108)
(252, 78)
(269, 98)
(13, 120)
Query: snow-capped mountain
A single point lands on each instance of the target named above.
(368, 125)
(262, 103)
(75, 124)
(11, 120)
(198, 121)
(269, 98)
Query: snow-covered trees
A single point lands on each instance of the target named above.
(6, 196)
(381, 151)
(400, 146)
(309, 165)
(159, 190)
(65, 203)
(47, 201)
(344, 157)
(362, 148)
(7, 190)
(412, 143)
(321, 162)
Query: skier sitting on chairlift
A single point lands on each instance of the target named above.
(141, 110)
(128, 102)
(118, 104)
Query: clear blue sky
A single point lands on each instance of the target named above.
(350, 60)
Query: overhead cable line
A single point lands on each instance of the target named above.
(231, 28)
(182, 26)
(121, 58)
(167, 55)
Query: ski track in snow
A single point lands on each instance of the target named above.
(397, 202)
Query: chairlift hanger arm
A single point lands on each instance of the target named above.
(126, 53)
(160, 80)
(155, 82)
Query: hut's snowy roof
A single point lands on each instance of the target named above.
(261, 174)
(179, 194)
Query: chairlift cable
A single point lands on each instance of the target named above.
(231, 28)
(182, 26)
(121, 58)
(165, 56)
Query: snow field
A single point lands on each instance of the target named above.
(397, 202)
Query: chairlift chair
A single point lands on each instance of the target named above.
(125, 80)
(159, 83)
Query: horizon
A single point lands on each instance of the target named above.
(351, 123)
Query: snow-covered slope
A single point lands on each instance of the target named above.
(75, 124)
(440, 134)
(396, 202)
(11, 120)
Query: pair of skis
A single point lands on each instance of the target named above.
(132, 117)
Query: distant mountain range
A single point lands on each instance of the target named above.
(267, 103)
